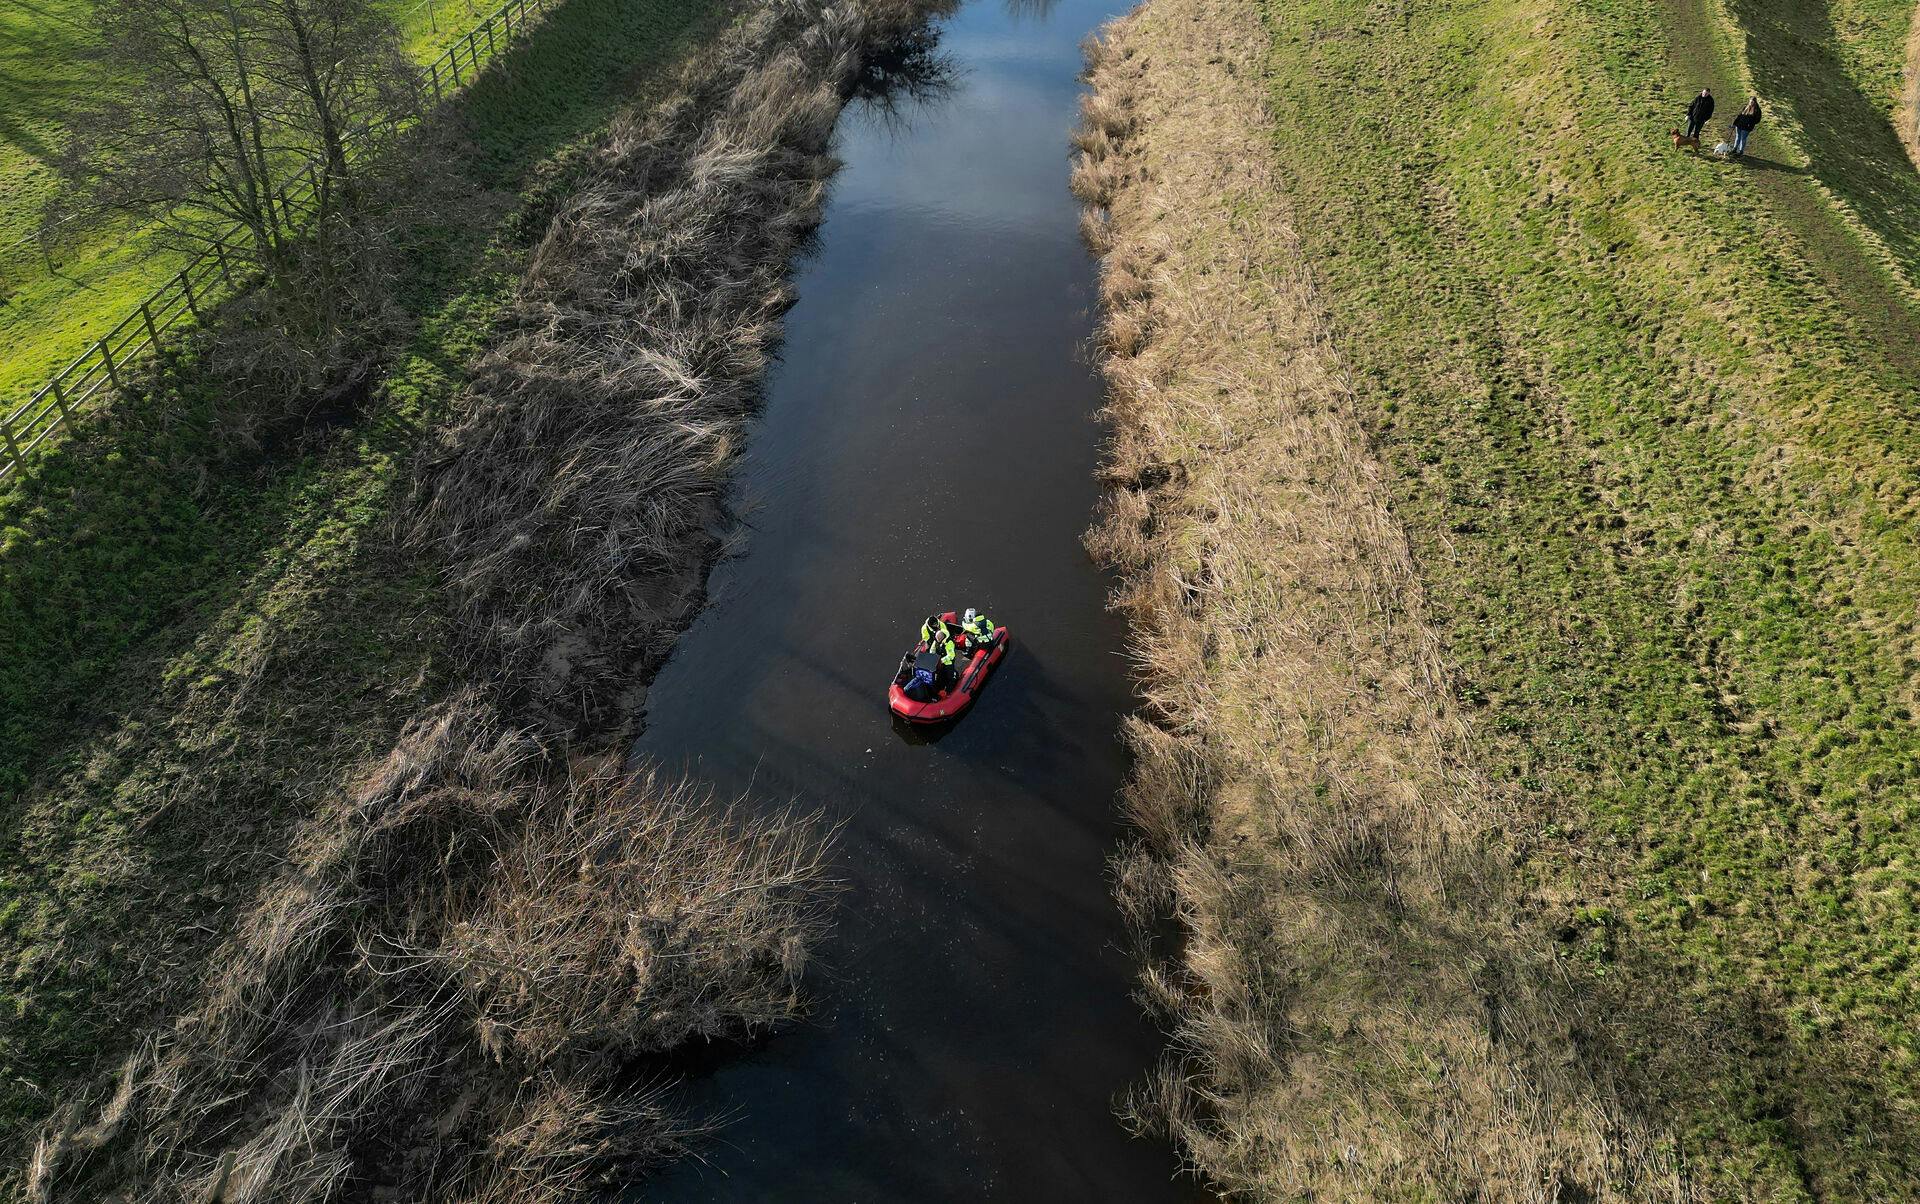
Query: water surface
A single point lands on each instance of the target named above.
(929, 442)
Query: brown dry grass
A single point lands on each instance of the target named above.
(1906, 110)
(444, 992)
(1357, 1011)
(454, 987)
(579, 499)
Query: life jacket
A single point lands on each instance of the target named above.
(930, 628)
(943, 646)
(980, 629)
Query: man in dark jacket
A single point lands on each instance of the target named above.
(1699, 112)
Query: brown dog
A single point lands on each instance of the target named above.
(1680, 140)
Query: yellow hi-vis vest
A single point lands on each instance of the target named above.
(981, 628)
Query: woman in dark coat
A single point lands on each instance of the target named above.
(1743, 125)
(1699, 113)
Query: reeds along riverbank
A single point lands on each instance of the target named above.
(452, 990)
(1354, 1012)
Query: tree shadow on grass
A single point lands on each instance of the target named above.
(187, 623)
(1851, 143)
(1794, 1112)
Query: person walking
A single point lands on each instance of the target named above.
(1699, 113)
(1744, 123)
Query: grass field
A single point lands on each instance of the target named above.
(1871, 38)
(1657, 470)
(196, 643)
(1834, 118)
(1646, 422)
(53, 305)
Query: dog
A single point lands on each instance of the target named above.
(1723, 149)
(1680, 140)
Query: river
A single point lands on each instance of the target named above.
(929, 441)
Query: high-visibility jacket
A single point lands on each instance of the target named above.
(932, 628)
(980, 629)
(943, 647)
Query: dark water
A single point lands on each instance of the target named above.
(929, 442)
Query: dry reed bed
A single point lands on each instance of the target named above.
(1906, 111)
(452, 990)
(1356, 1012)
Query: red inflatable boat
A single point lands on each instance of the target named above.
(945, 701)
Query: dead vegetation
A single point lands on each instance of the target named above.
(1906, 111)
(454, 989)
(1357, 1010)
(579, 501)
(446, 991)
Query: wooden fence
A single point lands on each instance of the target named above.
(211, 276)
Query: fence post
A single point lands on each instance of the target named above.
(186, 287)
(146, 311)
(433, 77)
(226, 273)
(113, 371)
(453, 61)
(60, 402)
(13, 448)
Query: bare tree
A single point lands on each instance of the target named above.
(261, 118)
(212, 114)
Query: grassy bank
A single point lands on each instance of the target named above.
(1871, 37)
(203, 642)
(483, 935)
(1357, 1010)
(1831, 128)
(53, 303)
(1644, 431)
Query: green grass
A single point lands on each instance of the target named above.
(196, 646)
(1871, 37)
(1835, 117)
(52, 309)
(1656, 459)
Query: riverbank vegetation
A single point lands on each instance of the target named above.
(263, 791)
(1636, 419)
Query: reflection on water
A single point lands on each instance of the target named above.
(910, 74)
(929, 444)
(1030, 10)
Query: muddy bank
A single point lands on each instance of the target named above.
(455, 986)
(1355, 1013)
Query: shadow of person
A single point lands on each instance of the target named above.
(1757, 163)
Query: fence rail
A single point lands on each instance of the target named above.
(210, 276)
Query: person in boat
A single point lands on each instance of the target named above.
(979, 628)
(946, 652)
(921, 672)
(932, 625)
